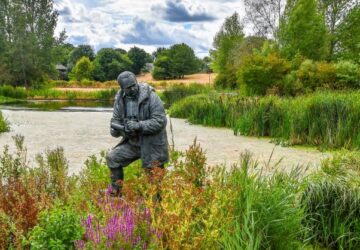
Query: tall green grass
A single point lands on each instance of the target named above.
(49, 93)
(331, 202)
(4, 125)
(179, 91)
(267, 215)
(324, 119)
(12, 92)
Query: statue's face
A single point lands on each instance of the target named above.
(132, 90)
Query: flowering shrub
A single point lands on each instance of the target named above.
(122, 226)
(192, 206)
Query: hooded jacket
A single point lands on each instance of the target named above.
(152, 117)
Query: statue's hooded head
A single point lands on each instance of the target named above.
(128, 83)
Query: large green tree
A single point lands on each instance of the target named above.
(226, 40)
(183, 60)
(348, 34)
(82, 70)
(139, 58)
(79, 52)
(304, 31)
(336, 12)
(162, 67)
(176, 62)
(27, 38)
(109, 63)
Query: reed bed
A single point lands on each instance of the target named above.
(323, 119)
(180, 91)
(48, 93)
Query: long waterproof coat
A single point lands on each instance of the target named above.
(152, 118)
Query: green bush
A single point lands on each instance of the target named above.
(326, 75)
(259, 72)
(226, 80)
(162, 69)
(270, 74)
(306, 75)
(314, 75)
(347, 74)
(82, 70)
(86, 82)
(58, 228)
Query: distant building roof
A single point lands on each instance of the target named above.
(60, 67)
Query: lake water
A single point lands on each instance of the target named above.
(83, 130)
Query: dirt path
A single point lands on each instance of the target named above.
(82, 134)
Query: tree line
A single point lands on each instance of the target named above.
(293, 41)
(174, 62)
(82, 62)
(30, 51)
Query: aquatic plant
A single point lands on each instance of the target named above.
(323, 119)
(177, 92)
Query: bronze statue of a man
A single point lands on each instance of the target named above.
(139, 117)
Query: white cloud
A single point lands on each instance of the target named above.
(128, 23)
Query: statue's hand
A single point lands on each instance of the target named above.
(133, 125)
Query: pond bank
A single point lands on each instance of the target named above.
(82, 134)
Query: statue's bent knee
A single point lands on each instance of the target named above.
(110, 160)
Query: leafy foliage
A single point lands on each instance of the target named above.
(27, 40)
(175, 62)
(80, 51)
(348, 34)
(139, 58)
(337, 16)
(82, 70)
(225, 41)
(258, 72)
(109, 63)
(58, 228)
(303, 31)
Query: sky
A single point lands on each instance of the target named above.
(147, 24)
